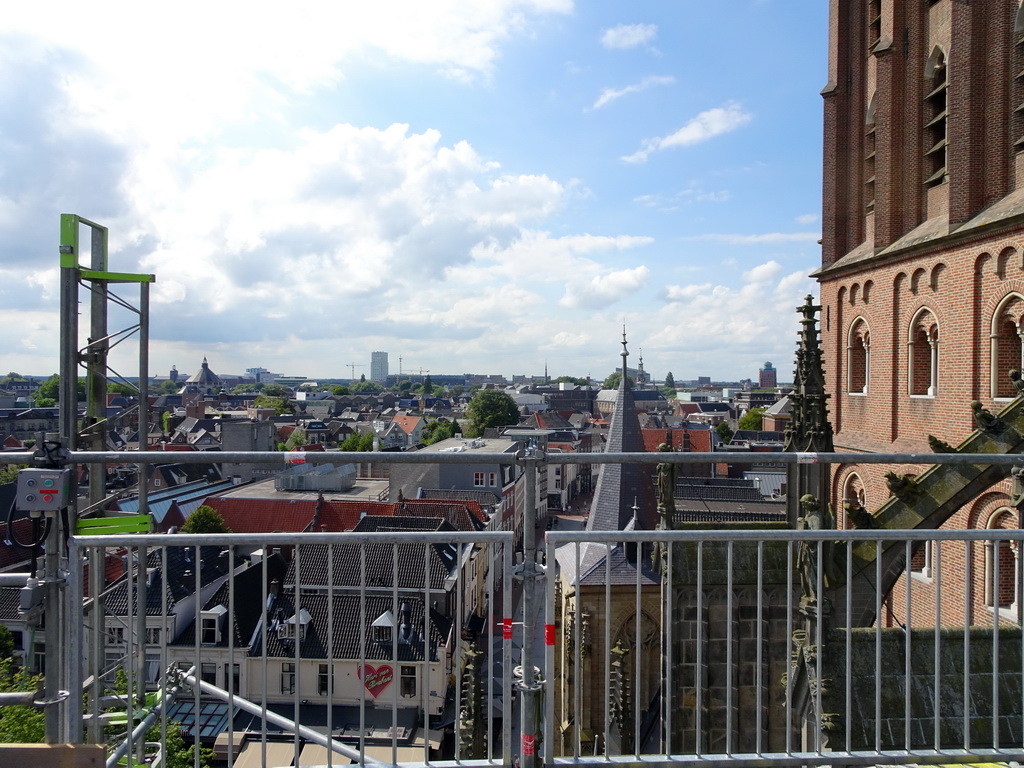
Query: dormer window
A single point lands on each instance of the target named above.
(286, 630)
(212, 622)
(383, 627)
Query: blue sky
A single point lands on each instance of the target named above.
(481, 186)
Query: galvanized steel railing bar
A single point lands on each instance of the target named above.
(475, 457)
(915, 613)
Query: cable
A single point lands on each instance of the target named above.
(11, 537)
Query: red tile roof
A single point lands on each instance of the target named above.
(294, 515)
(700, 439)
(407, 423)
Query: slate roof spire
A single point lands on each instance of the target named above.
(621, 486)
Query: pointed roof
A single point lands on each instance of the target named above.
(809, 428)
(204, 375)
(621, 486)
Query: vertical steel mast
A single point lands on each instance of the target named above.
(63, 640)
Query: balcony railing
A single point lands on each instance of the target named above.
(744, 644)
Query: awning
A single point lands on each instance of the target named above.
(280, 754)
(401, 754)
(314, 754)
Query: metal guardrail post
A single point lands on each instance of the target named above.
(530, 683)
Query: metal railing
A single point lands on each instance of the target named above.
(655, 647)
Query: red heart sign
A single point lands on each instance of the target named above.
(376, 680)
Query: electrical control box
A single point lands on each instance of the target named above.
(43, 490)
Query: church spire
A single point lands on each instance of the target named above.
(625, 354)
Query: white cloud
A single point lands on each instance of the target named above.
(705, 126)
(685, 292)
(608, 95)
(242, 65)
(763, 273)
(766, 237)
(758, 317)
(602, 290)
(628, 35)
(354, 214)
(808, 218)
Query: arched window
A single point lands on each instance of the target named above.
(853, 494)
(1002, 566)
(859, 357)
(935, 119)
(1006, 344)
(923, 354)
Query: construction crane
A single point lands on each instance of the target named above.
(353, 366)
(422, 370)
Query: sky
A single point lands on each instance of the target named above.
(491, 186)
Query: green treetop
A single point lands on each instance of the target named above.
(491, 408)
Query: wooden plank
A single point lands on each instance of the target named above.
(53, 755)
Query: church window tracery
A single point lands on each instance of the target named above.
(859, 358)
(923, 354)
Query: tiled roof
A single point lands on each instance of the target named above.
(407, 423)
(10, 603)
(601, 564)
(351, 566)
(700, 439)
(717, 489)
(481, 498)
(177, 582)
(339, 626)
(295, 515)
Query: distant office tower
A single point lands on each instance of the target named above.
(379, 367)
(766, 379)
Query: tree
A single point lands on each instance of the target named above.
(168, 387)
(724, 431)
(9, 474)
(45, 402)
(439, 430)
(339, 390)
(275, 390)
(51, 389)
(612, 382)
(118, 388)
(752, 419)
(296, 438)
(405, 385)
(428, 385)
(20, 724)
(363, 442)
(670, 380)
(570, 380)
(366, 388)
(491, 408)
(205, 519)
(280, 404)
(6, 643)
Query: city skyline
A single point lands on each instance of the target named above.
(482, 191)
